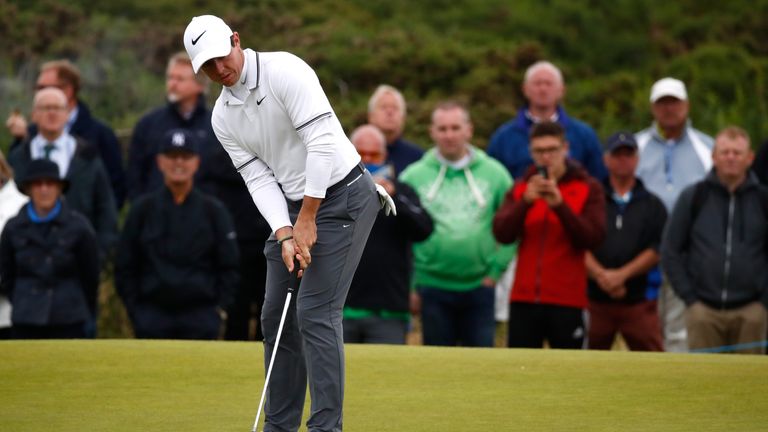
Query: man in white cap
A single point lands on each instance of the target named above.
(306, 178)
(673, 155)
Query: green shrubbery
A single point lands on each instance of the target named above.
(476, 52)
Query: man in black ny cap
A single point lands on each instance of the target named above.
(177, 264)
(618, 269)
(49, 260)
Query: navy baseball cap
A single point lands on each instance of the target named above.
(620, 139)
(179, 140)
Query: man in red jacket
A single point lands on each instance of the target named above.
(557, 211)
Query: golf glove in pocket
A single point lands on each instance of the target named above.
(386, 201)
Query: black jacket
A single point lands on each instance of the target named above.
(718, 255)
(629, 232)
(383, 277)
(50, 271)
(107, 147)
(216, 176)
(143, 174)
(177, 256)
(89, 192)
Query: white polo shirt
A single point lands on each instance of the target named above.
(281, 132)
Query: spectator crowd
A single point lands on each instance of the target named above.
(659, 236)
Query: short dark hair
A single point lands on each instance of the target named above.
(733, 132)
(448, 105)
(67, 72)
(547, 128)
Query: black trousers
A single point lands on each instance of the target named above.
(531, 324)
(61, 331)
(249, 297)
(154, 322)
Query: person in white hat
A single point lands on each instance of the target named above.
(306, 178)
(673, 155)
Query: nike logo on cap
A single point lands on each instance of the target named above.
(194, 41)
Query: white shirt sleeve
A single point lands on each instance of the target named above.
(321, 148)
(309, 109)
(259, 179)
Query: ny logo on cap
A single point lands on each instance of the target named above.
(178, 139)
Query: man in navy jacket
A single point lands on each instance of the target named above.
(81, 124)
(186, 110)
(378, 303)
(544, 88)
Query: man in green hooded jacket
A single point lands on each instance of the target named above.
(456, 268)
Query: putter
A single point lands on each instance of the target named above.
(293, 283)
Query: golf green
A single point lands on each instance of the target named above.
(130, 385)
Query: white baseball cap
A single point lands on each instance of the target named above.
(668, 87)
(207, 37)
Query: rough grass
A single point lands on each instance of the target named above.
(129, 385)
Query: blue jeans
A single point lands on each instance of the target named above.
(451, 318)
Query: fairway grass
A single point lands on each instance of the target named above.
(131, 385)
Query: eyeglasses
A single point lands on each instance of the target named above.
(369, 154)
(50, 108)
(44, 86)
(540, 151)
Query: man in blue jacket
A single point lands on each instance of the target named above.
(386, 111)
(544, 88)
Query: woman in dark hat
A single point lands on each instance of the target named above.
(48, 260)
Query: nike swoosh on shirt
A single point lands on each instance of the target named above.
(194, 41)
(258, 102)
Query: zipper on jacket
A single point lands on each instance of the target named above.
(540, 259)
(728, 249)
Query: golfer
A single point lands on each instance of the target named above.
(304, 175)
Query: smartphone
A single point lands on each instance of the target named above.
(542, 171)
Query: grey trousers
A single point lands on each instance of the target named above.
(311, 348)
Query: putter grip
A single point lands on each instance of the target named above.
(293, 280)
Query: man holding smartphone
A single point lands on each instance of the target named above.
(557, 211)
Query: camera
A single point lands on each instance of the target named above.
(542, 171)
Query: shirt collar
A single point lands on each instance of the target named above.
(458, 164)
(35, 218)
(72, 118)
(39, 141)
(554, 118)
(656, 133)
(250, 78)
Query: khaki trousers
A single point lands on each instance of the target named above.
(710, 328)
